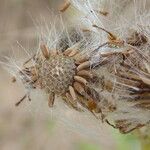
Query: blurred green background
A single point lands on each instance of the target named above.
(34, 126)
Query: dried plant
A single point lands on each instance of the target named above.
(91, 68)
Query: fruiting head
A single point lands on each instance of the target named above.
(56, 73)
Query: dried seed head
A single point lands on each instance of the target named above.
(57, 73)
(119, 87)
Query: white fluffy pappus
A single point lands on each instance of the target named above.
(127, 20)
(115, 97)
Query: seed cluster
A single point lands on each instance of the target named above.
(97, 87)
(57, 74)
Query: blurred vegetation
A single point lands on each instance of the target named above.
(124, 142)
(86, 146)
(127, 141)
